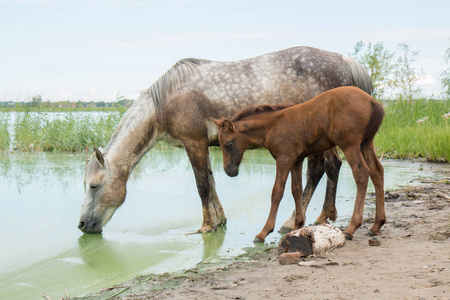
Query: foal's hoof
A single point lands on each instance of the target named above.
(371, 233)
(258, 240)
(284, 230)
(348, 237)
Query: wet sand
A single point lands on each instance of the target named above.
(412, 262)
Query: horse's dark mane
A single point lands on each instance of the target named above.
(255, 110)
(161, 90)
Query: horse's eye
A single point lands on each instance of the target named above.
(228, 146)
(93, 186)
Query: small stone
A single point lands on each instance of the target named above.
(375, 241)
(290, 258)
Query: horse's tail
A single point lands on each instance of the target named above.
(376, 117)
(360, 76)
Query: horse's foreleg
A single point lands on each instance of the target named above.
(283, 168)
(212, 209)
(220, 214)
(296, 187)
(360, 172)
(377, 177)
(314, 173)
(332, 166)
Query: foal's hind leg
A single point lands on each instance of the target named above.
(332, 167)
(361, 175)
(296, 187)
(377, 177)
(316, 169)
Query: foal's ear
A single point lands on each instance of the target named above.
(222, 122)
(99, 156)
(228, 125)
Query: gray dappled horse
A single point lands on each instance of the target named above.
(177, 107)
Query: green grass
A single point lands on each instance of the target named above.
(400, 136)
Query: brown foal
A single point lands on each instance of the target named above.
(345, 117)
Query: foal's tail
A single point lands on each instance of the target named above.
(360, 76)
(376, 117)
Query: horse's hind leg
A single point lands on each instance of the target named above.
(377, 177)
(212, 209)
(332, 167)
(316, 169)
(360, 172)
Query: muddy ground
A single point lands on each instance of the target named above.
(412, 262)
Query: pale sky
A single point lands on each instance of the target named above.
(98, 49)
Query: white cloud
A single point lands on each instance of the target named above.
(66, 96)
(93, 89)
(417, 35)
(176, 40)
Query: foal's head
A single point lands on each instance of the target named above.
(233, 142)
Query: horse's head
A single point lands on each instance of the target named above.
(105, 193)
(233, 143)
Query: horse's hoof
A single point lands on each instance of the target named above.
(348, 237)
(203, 230)
(371, 233)
(258, 240)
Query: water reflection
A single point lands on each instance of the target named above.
(213, 241)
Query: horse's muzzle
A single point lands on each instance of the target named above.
(90, 226)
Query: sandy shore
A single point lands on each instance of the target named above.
(413, 261)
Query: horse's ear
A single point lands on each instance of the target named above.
(99, 156)
(228, 124)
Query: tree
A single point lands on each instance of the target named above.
(36, 101)
(445, 76)
(405, 76)
(378, 62)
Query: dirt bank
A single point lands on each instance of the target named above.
(413, 261)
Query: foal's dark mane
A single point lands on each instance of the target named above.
(256, 110)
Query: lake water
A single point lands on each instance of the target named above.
(43, 252)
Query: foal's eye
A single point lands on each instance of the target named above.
(93, 186)
(228, 146)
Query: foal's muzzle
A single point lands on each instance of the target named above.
(231, 171)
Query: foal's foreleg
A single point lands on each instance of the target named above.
(315, 171)
(377, 177)
(360, 172)
(213, 214)
(284, 165)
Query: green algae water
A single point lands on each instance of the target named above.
(43, 252)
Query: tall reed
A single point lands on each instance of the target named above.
(4, 132)
(70, 132)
